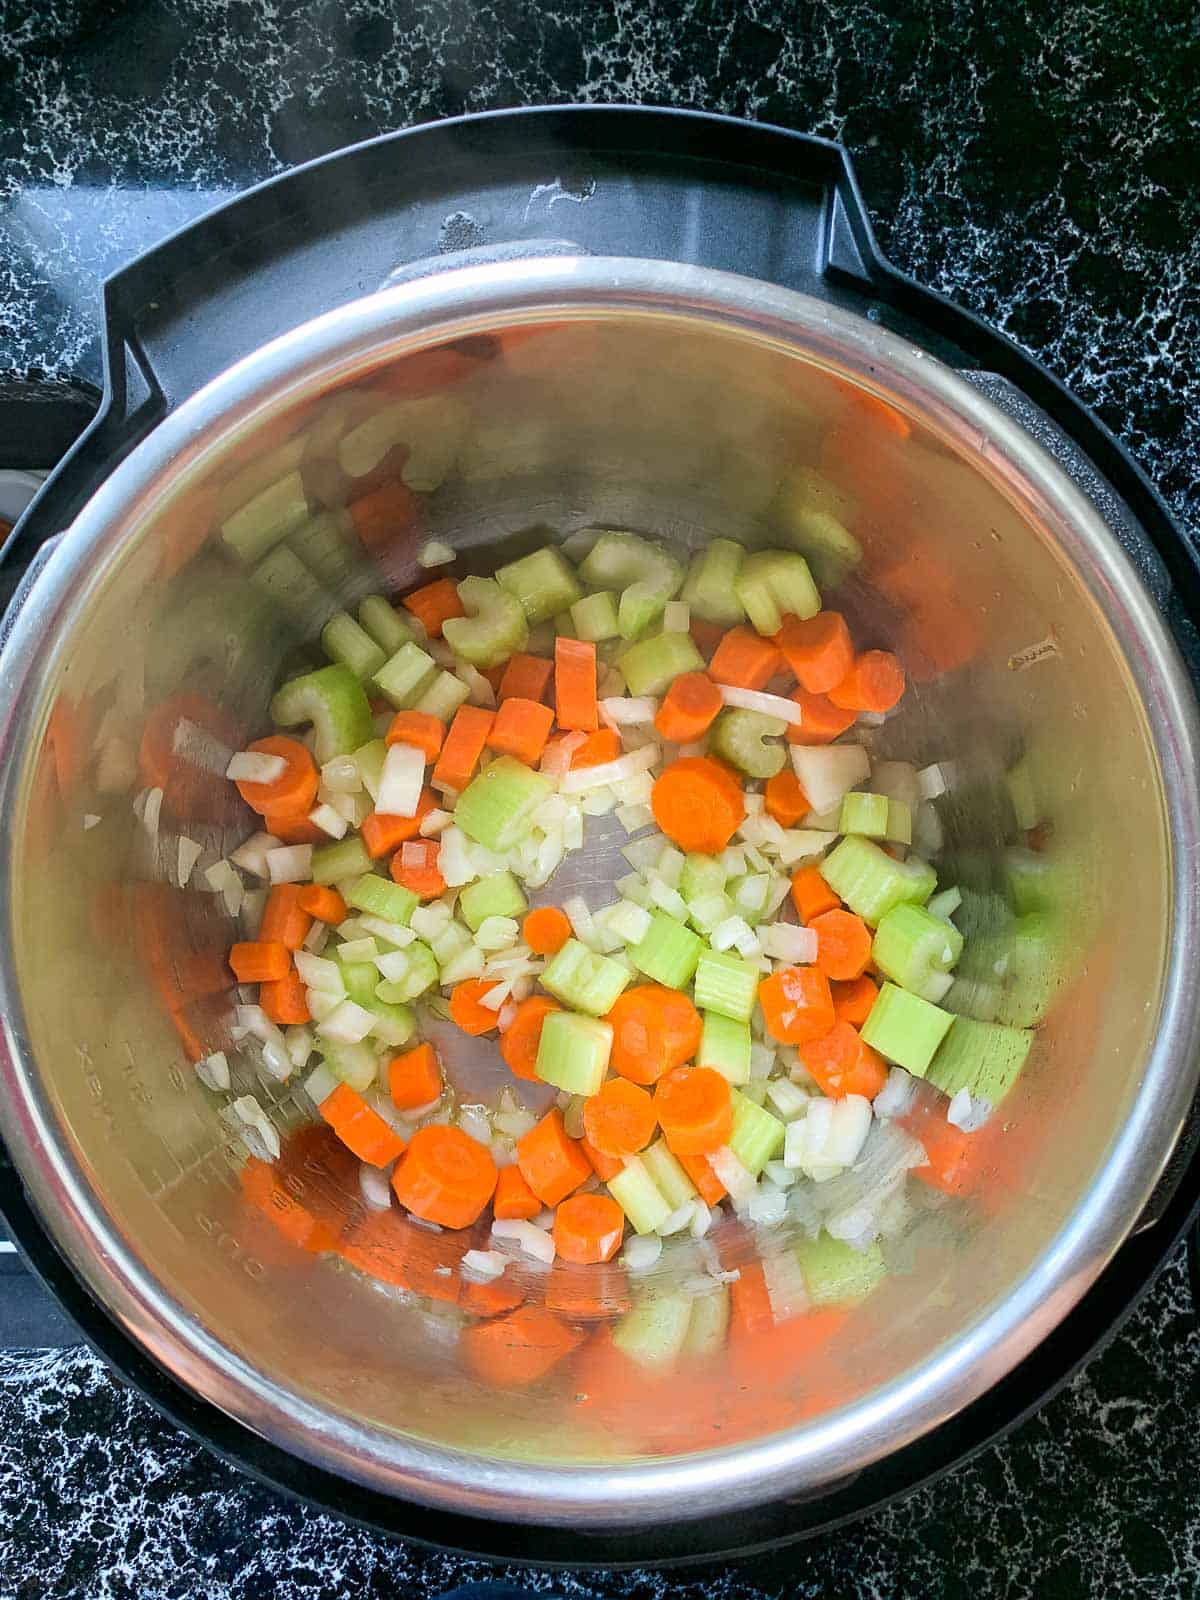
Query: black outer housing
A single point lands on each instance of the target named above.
(673, 185)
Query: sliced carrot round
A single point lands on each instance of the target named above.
(588, 1228)
(843, 944)
(797, 1005)
(545, 930)
(823, 721)
(514, 1351)
(874, 683)
(293, 793)
(466, 1008)
(520, 1040)
(819, 650)
(698, 804)
(445, 1176)
(842, 1063)
(619, 1118)
(852, 1002)
(688, 708)
(654, 1029)
(695, 1109)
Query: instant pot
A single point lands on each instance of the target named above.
(634, 318)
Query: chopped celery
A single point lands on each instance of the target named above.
(328, 548)
(725, 983)
(494, 627)
(1034, 881)
(638, 1196)
(405, 676)
(496, 808)
(543, 582)
(905, 1028)
(355, 1064)
(774, 584)
(710, 585)
(595, 617)
(443, 697)
(871, 882)
(369, 759)
(394, 1024)
(420, 973)
(452, 942)
(835, 1274)
(497, 896)
(982, 1057)
(379, 896)
(708, 911)
(654, 1332)
(333, 700)
(757, 1136)
(911, 946)
(1034, 960)
(827, 544)
(668, 953)
(586, 981)
(359, 979)
(333, 862)
(701, 875)
(644, 572)
(262, 522)
(668, 1174)
(864, 813)
(899, 822)
(288, 583)
(944, 904)
(652, 666)
(573, 1052)
(709, 1325)
(751, 893)
(343, 640)
(384, 623)
(725, 1045)
(741, 737)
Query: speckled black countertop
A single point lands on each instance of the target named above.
(1037, 163)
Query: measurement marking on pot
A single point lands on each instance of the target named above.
(1033, 653)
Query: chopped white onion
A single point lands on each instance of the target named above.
(483, 1265)
(188, 855)
(634, 818)
(320, 1084)
(251, 766)
(728, 933)
(828, 772)
(375, 1187)
(213, 1071)
(527, 1236)
(390, 932)
(435, 822)
(784, 941)
(255, 1120)
(557, 757)
(317, 973)
(967, 1113)
(677, 1220)
(733, 1174)
(767, 705)
(479, 690)
(402, 780)
(580, 918)
(329, 820)
(300, 1045)
(624, 711)
(152, 811)
(290, 863)
(608, 772)
(897, 1094)
(767, 1205)
(434, 553)
(340, 775)
(936, 779)
(317, 937)
(348, 1023)
(641, 1252)
(702, 1218)
(497, 933)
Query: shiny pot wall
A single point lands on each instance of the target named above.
(513, 404)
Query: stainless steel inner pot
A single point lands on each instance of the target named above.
(681, 403)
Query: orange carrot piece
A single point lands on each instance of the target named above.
(605, 1167)
(414, 1078)
(295, 791)
(784, 800)
(688, 708)
(654, 1030)
(382, 515)
(852, 1001)
(415, 867)
(520, 729)
(520, 1040)
(525, 678)
(955, 1162)
(434, 604)
(819, 650)
(515, 1351)
(514, 1200)
(465, 1007)
(695, 1109)
(699, 1170)
(842, 1063)
(463, 747)
(588, 1228)
(323, 904)
(743, 660)
(698, 804)
(382, 831)
(843, 944)
(874, 683)
(599, 747)
(284, 919)
(811, 895)
(575, 685)
(285, 1000)
(545, 930)
(418, 728)
(750, 1310)
(294, 829)
(797, 1005)
(823, 721)
(551, 1163)
(619, 1119)
(253, 961)
(361, 1129)
(445, 1176)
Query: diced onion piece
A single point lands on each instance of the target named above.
(320, 1084)
(967, 1113)
(634, 818)
(189, 853)
(151, 811)
(329, 821)
(641, 1252)
(497, 933)
(557, 758)
(299, 1043)
(935, 779)
(527, 1236)
(767, 705)
(802, 844)
(608, 772)
(348, 1023)
(727, 934)
(783, 941)
(213, 1071)
(483, 1265)
(375, 1187)
(341, 776)
(435, 822)
(401, 781)
(767, 1204)
(829, 772)
(434, 553)
(252, 766)
(290, 863)
(317, 973)
(254, 1120)
(624, 711)
(677, 1220)
(677, 617)
(740, 1182)
(479, 690)
(493, 999)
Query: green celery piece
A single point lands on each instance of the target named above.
(334, 701)
(543, 582)
(494, 627)
(837, 1275)
(652, 666)
(638, 1196)
(701, 875)
(1035, 881)
(944, 904)
(405, 676)
(573, 1052)
(443, 697)
(984, 1058)
(583, 980)
(448, 945)
(369, 759)
(496, 808)
(381, 898)
(668, 1174)
(871, 882)
(326, 545)
(261, 523)
(342, 859)
(360, 979)
(725, 1045)
(709, 1326)
(595, 617)
(741, 738)
(420, 974)
(864, 813)
(725, 983)
(1036, 953)
(497, 896)
(710, 587)
(757, 1136)
(644, 573)
(654, 1333)
(913, 947)
(899, 822)
(669, 952)
(399, 1022)
(829, 547)
(343, 640)
(385, 624)
(905, 1028)
(774, 584)
(288, 584)
(708, 911)
(355, 1064)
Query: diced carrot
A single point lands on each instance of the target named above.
(284, 919)
(852, 1001)
(418, 728)
(819, 650)
(811, 895)
(435, 604)
(551, 1163)
(465, 1007)
(955, 1162)
(575, 684)
(823, 721)
(520, 729)
(393, 1248)
(874, 683)
(285, 1000)
(545, 930)
(688, 708)
(520, 1040)
(699, 1170)
(515, 1351)
(599, 747)
(293, 793)
(383, 831)
(414, 1078)
(619, 1119)
(323, 904)
(784, 800)
(514, 1200)
(743, 660)
(588, 1228)
(415, 867)
(797, 1005)
(654, 1030)
(445, 1176)
(463, 747)
(605, 1167)
(361, 1129)
(750, 1310)
(843, 1064)
(255, 962)
(694, 1109)
(383, 514)
(698, 804)
(843, 944)
(525, 678)
(294, 830)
